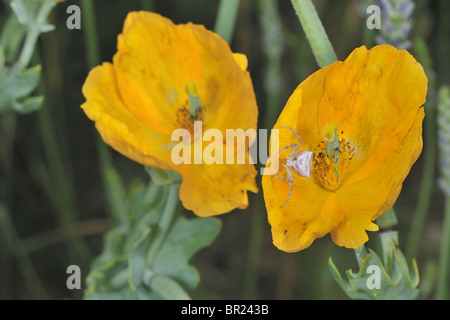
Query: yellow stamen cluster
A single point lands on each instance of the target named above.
(331, 169)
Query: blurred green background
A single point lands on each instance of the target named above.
(49, 167)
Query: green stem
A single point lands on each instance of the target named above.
(360, 254)
(443, 47)
(387, 220)
(368, 36)
(93, 59)
(226, 19)
(273, 45)
(61, 192)
(59, 189)
(164, 223)
(388, 236)
(90, 33)
(147, 5)
(444, 263)
(315, 32)
(33, 34)
(271, 29)
(12, 37)
(429, 154)
(8, 123)
(426, 186)
(254, 252)
(388, 239)
(153, 193)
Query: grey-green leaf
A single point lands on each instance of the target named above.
(185, 239)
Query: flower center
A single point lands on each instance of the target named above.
(194, 98)
(332, 158)
(191, 110)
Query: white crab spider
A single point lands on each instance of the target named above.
(301, 162)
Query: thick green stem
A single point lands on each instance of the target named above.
(444, 262)
(315, 32)
(387, 220)
(388, 236)
(33, 34)
(226, 19)
(90, 33)
(147, 5)
(388, 239)
(165, 222)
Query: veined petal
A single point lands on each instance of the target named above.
(156, 59)
(215, 189)
(376, 194)
(140, 100)
(372, 104)
(118, 127)
(373, 96)
(241, 60)
(309, 214)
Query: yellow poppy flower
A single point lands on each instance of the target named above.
(140, 99)
(367, 111)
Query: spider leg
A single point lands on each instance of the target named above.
(296, 133)
(291, 186)
(279, 175)
(289, 194)
(294, 151)
(282, 149)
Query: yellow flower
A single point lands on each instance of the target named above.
(142, 97)
(367, 111)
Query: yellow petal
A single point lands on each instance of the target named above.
(377, 193)
(118, 127)
(373, 96)
(309, 214)
(241, 60)
(141, 99)
(157, 58)
(215, 189)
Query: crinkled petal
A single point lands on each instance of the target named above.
(217, 188)
(373, 96)
(377, 193)
(140, 100)
(310, 212)
(156, 59)
(118, 127)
